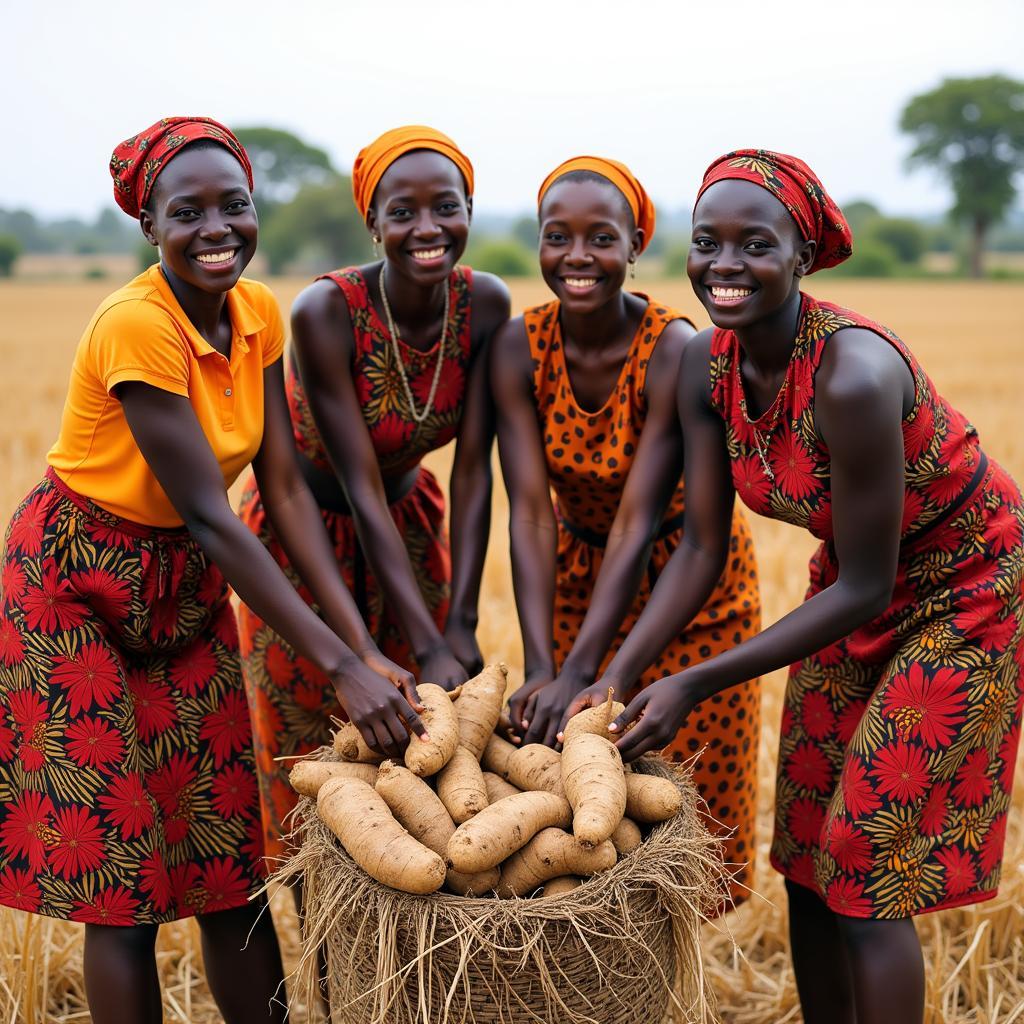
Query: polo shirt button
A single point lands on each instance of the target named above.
(227, 391)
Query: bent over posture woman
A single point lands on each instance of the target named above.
(127, 785)
(389, 363)
(585, 387)
(902, 712)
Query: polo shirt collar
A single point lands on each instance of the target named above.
(245, 321)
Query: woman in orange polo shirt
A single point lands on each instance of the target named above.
(128, 792)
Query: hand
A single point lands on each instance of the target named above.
(461, 641)
(592, 696)
(658, 712)
(442, 667)
(545, 708)
(377, 707)
(404, 680)
(517, 703)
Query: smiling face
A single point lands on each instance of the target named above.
(202, 216)
(587, 238)
(421, 215)
(746, 253)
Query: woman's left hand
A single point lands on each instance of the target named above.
(405, 681)
(461, 641)
(658, 712)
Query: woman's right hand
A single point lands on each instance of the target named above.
(377, 708)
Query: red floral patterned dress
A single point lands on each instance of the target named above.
(291, 700)
(898, 743)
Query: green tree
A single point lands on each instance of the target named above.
(282, 163)
(525, 231)
(905, 237)
(10, 250)
(859, 214)
(505, 257)
(321, 221)
(972, 131)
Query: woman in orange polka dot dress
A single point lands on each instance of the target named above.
(576, 383)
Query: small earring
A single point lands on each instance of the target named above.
(632, 267)
(376, 247)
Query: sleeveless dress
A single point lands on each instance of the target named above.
(589, 455)
(898, 743)
(292, 701)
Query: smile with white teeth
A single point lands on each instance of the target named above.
(580, 282)
(216, 257)
(730, 293)
(428, 254)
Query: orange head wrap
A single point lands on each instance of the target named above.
(373, 160)
(621, 177)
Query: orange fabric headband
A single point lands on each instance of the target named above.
(373, 160)
(621, 177)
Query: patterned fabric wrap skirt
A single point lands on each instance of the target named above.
(291, 700)
(898, 744)
(127, 783)
(724, 730)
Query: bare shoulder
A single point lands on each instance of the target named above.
(668, 352)
(859, 365)
(510, 351)
(492, 301)
(320, 309)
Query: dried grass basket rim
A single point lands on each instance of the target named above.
(675, 875)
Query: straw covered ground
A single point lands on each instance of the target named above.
(970, 338)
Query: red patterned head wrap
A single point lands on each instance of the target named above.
(373, 160)
(797, 187)
(621, 177)
(137, 162)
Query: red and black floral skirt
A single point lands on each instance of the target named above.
(127, 783)
(899, 743)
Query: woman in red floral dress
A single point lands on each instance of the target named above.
(128, 790)
(389, 362)
(902, 714)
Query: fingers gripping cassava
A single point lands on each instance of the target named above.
(593, 720)
(419, 809)
(549, 854)
(350, 745)
(497, 831)
(367, 829)
(498, 788)
(479, 707)
(650, 798)
(461, 786)
(428, 757)
(307, 777)
(595, 786)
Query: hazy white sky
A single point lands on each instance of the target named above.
(522, 84)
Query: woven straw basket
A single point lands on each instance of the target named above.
(623, 948)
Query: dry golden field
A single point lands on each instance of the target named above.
(969, 336)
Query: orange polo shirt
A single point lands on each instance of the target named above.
(141, 333)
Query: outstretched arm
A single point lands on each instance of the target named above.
(470, 487)
(532, 528)
(322, 336)
(652, 480)
(173, 444)
(863, 390)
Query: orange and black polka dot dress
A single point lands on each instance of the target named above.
(589, 455)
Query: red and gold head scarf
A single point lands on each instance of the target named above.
(797, 187)
(138, 161)
(621, 177)
(373, 160)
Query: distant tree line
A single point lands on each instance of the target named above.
(969, 130)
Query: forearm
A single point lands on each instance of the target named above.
(296, 521)
(259, 582)
(820, 621)
(534, 550)
(625, 559)
(388, 558)
(470, 530)
(684, 586)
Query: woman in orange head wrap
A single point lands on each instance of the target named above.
(388, 363)
(585, 389)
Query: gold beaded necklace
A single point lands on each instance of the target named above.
(762, 440)
(393, 331)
